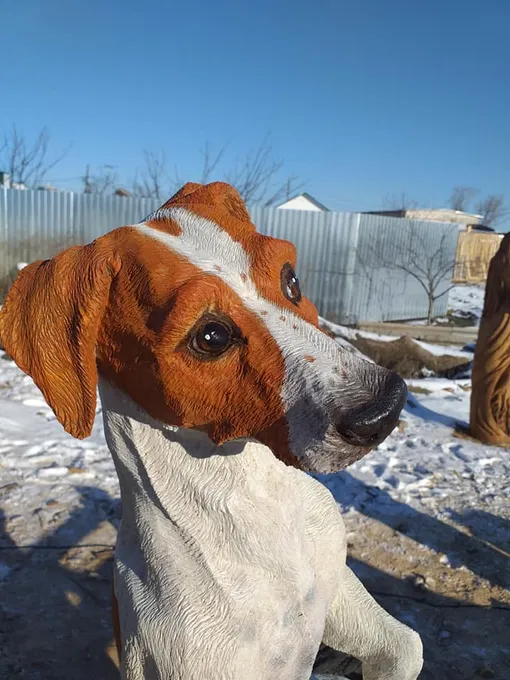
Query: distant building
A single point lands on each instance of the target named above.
(122, 192)
(303, 202)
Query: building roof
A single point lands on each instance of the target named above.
(431, 214)
(308, 197)
(450, 211)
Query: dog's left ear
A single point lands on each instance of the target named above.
(49, 325)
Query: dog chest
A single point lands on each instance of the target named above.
(224, 591)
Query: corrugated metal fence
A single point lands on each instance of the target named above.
(352, 266)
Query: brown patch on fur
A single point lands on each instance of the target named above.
(49, 325)
(276, 438)
(167, 225)
(309, 358)
(268, 255)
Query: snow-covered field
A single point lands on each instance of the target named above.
(427, 513)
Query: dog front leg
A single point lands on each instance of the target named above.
(358, 626)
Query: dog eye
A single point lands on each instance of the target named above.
(212, 339)
(290, 284)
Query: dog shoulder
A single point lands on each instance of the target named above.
(323, 516)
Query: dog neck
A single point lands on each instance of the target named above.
(176, 469)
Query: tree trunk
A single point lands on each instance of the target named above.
(490, 396)
(430, 310)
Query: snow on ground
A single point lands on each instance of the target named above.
(423, 464)
(466, 300)
(41, 467)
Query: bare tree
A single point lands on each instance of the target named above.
(461, 197)
(153, 176)
(210, 162)
(28, 162)
(399, 202)
(491, 209)
(256, 177)
(100, 182)
(429, 262)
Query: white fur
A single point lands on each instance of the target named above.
(312, 437)
(231, 565)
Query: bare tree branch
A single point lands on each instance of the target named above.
(444, 292)
(210, 162)
(101, 182)
(492, 209)
(153, 175)
(256, 177)
(399, 202)
(28, 163)
(461, 197)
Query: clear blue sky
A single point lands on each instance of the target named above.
(363, 98)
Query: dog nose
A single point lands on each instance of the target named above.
(370, 423)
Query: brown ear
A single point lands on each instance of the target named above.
(49, 325)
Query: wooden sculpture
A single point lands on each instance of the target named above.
(490, 398)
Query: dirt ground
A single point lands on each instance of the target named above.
(452, 588)
(448, 581)
(408, 359)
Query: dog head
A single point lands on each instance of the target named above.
(202, 322)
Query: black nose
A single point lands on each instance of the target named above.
(369, 424)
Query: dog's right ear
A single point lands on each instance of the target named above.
(49, 326)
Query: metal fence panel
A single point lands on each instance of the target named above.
(388, 248)
(346, 261)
